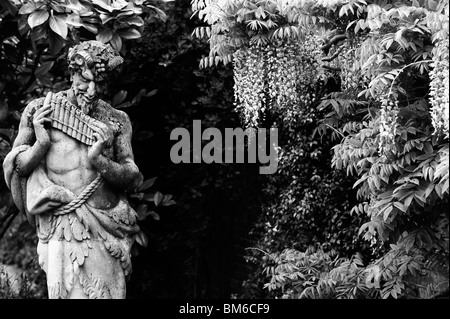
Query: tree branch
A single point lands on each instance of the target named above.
(339, 37)
(334, 56)
(331, 68)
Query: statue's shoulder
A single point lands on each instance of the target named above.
(108, 109)
(117, 119)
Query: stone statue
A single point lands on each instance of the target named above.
(69, 168)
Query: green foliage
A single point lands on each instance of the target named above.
(388, 116)
(311, 200)
(236, 24)
(147, 203)
(189, 249)
(8, 286)
(318, 274)
(110, 21)
(18, 250)
(395, 150)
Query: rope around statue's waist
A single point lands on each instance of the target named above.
(81, 199)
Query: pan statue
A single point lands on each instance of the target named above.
(68, 171)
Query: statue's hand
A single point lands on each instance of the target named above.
(39, 119)
(103, 136)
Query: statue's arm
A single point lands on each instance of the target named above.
(121, 172)
(26, 161)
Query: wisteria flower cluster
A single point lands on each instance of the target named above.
(279, 76)
(388, 126)
(439, 89)
(350, 75)
(249, 77)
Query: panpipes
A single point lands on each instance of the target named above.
(70, 119)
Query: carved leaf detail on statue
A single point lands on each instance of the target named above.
(67, 233)
(113, 248)
(56, 291)
(94, 288)
(80, 255)
(77, 254)
(81, 218)
(77, 228)
(124, 217)
(76, 271)
(118, 250)
(126, 265)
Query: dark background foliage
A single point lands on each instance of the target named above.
(194, 249)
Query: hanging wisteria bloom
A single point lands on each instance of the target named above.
(439, 89)
(277, 76)
(249, 75)
(387, 127)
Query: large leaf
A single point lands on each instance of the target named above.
(147, 184)
(103, 5)
(37, 18)
(104, 35)
(161, 14)
(38, 33)
(56, 7)
(154, 215)
(127, 13)
(119, 98)
(43, 69)
(131, 7)
(129, 33)
(116, 42)
(120, 4)
(27, 8)
(23, 25)
(74, 6)
(74, 20)
(90, 27)
(167, 200)
(158, 198)
(58, 25)
(56, 43)
(142, 211)
(106, 17)
(134, 20)
(142, 239)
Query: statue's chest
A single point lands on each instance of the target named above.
(63, 143)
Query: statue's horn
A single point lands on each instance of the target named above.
(70, 54)
(87, 57)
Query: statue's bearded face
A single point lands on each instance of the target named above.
(86, 89)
